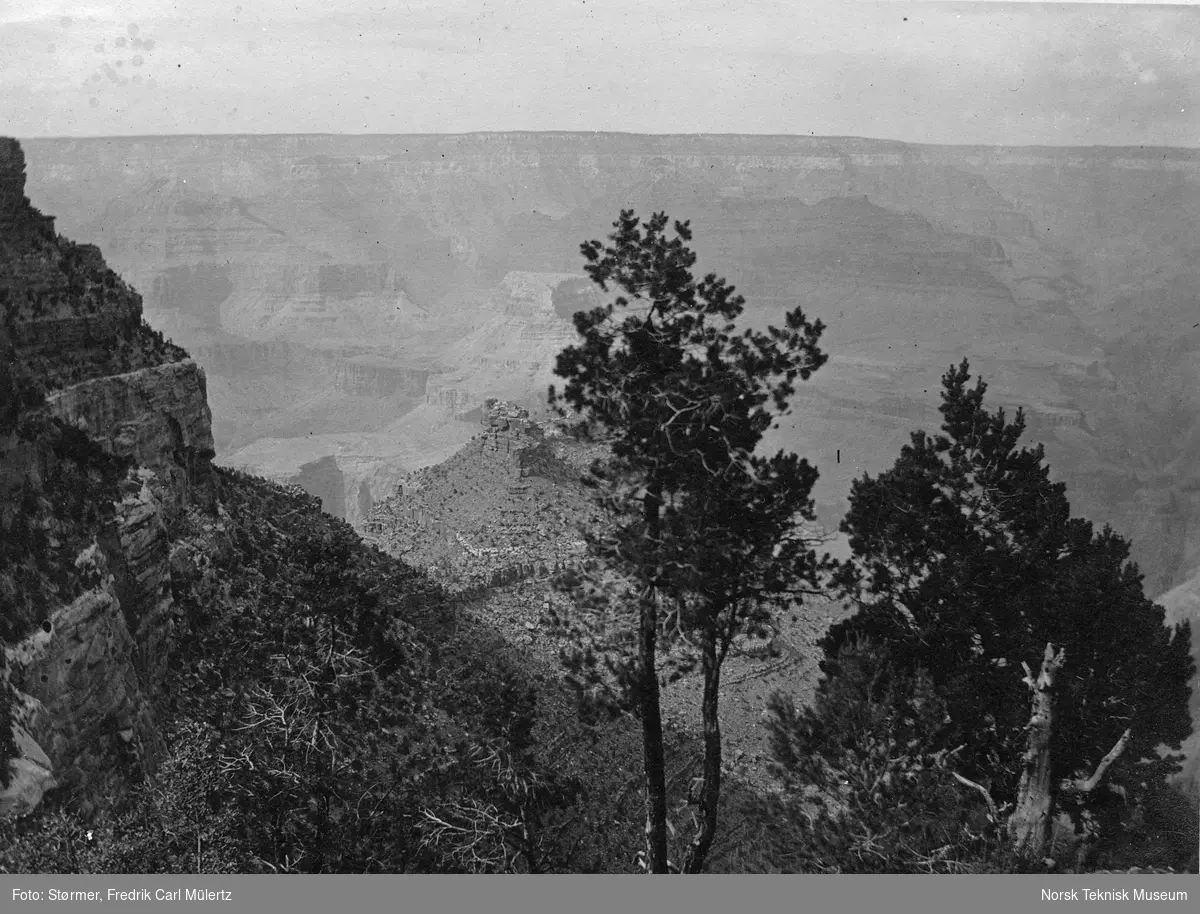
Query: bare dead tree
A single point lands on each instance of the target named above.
(1029, 824)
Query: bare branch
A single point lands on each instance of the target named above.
(991, 804)
(1087, 785)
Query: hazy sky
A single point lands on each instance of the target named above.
(938, 72)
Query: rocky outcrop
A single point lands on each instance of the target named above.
(68, 317)
(158, 416)
(18, 220)
(506, 507)
(83, 702)
(145, 582)
(94, 477)
(29, 771)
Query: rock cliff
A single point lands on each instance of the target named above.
(159, 417)
(106, 452)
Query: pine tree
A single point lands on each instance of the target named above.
(704, 532)
(967, 563)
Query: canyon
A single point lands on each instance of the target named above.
(352, 297)
(354, 300)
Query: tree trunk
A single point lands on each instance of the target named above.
(1029, 824)
(653, 756)
(710, 789)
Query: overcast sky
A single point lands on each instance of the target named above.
(936, 72)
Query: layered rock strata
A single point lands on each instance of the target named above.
(157, 416)
(108, 450)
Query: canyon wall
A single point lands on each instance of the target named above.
(107, 451)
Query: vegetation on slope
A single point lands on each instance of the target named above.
(71, 317)
(333, 710)
(47, 517)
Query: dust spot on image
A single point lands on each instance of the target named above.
(148, 44)
(120, 42)
(65, 22)
(99, 49)
(94, 102)
(132, 29)
(138, 60)
(51, 48)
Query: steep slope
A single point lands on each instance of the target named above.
(106, 451)
(497, 520)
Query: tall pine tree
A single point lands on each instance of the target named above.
(703, 532)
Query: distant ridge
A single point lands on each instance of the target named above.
(797, 139)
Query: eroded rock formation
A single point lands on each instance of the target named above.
(108, 450)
